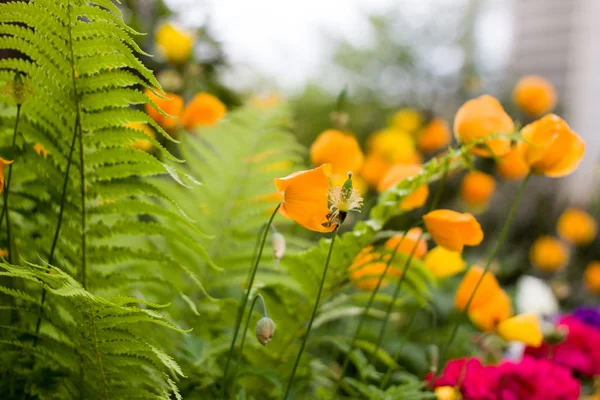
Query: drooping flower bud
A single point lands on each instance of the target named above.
(433, 357)
(265, 328)
(278, 244)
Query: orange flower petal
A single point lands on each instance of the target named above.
(488, 316)
(397, 174)
(435, 136)
(486, 291)
(452, 229)
(305, 197)
(413, 241)
(577, 226)
(534, 95)
(512, 165)
(203, 110)
(374, 168)
(548, 254)
(340, 149)
(591, 277)
(477, 187)
(172, 105)
(443, 262)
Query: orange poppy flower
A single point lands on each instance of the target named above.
(435, 136)
(203, 110)
(40, 150)
(481, 117)
(367, 267)
(550, 147)
(512, 165)
(374, 168)
(444, 263)
(453, 230)
(488, 289)
(175, 44)
(3, 253)
(523, 328)
(591, 277)
(477, 188)
(534, 95)
(395, 145)
(413, 240)
(305, 197)
(488, 317)
(340, 149)
(548, 254)
(172, 105)
(141, 144)
(397, 174)
(3, 162)
(577, 226)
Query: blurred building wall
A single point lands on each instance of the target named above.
(560, 40)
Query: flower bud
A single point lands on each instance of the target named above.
(265, 328)
(558, 335)
(278, 244)
(433, 356)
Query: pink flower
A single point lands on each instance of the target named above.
(530, 379)
(580, 352)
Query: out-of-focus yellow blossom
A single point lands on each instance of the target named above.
(397, 174)
(175, 44)
(396, 145)
(40, 150)
(481, 117)
(550, 147)
(443, 262)
(434, 136)
(534, 95)
(477, 188)
(577, 226)
(3, 253)
(447, 393)
(340, 149)
(203, 110)
(548, 254)
(591, 277)
(407, 119)
(142, 144)
(512, 165)
(523, 328)
(266, 101)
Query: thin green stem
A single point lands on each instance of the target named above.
(245, 331)
(6, 188)
(83, 211)
(245, 300)
(312, 317)
(491, 258)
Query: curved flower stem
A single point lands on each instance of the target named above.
(245, 330)
(312, 317)
(491, 257)
(240, 315)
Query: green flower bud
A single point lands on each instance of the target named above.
(278, 244)
(557, 335)
(433, 356)
(265, 328)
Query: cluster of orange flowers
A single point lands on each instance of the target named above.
(575, 228)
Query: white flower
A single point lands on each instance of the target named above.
(535, 296)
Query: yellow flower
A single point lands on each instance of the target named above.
(550, 147)
(395, 145)
(175, 44)
(40, 150)
(591, 277)
(141, 144)
(447, 393)
(452, 229)
(305, 198)
(481, 117)
(443, 262)
(477, 187)
(340, 149)
(577, 226)
(523, 328)
(434, 136)
(412, 241)
(397, 174)
(548, 254)
(407, 119)
(3, 162)
(534, 95)
(203, 110)
(172, 105)
(512, 165)
(3, 253)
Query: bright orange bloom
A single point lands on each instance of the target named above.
(548, 254)
(512, 165)
(481, 117)
(3, 162)
(397, 174)
(577, 226)
(340, 149)
(477, 188)
(141, 144)
(175, 44)
(444, 263)
(374, 168)
(412, 241)
(534, 95)
(172, 105)
(435, 136)
(550, 147)
(395, 145)
(524, 328)
(368, 266)
(305, 197)
(3, 253)
(493, 313)
(203, 110)
(452, 229)
(407, 119)
(40, 150)
(591, 277)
